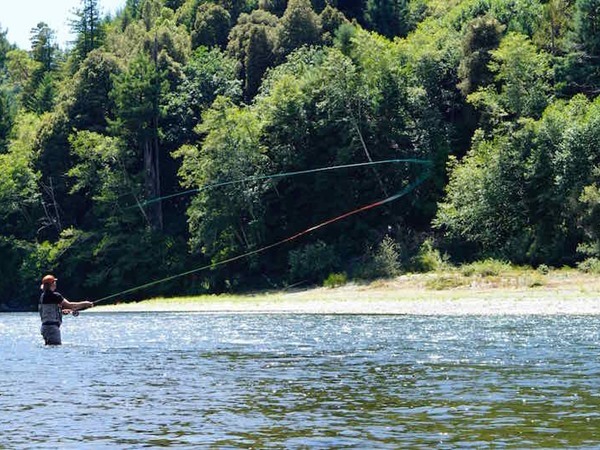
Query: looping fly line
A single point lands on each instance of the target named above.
(280, 175)
(389, 199)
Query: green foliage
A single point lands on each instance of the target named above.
(276, 7)
(212, 26)
(299, 26)
(136, 95)
(208, 74)
(543, 269)
(523, 74)
(20, 69)
(88, 28)
(519, 196)
(5, 47)
(444, 282)
(382, 261)
(554, 28)
(483, 35)
(343, 38)
(259, 56)
(486, 89)
(429, 258)
(101, 168)
(237, 7)
(186, 13)
(485, 268)
(331, 20)
(334, 280)
(90, 100)
(225, 222)
(14, 281)
(259, 27)
(387, 17)
(39, 91)
(590, 265)
(44, 96)
(587, 25)
(483, 204)
(43, 46)
(7, 112)
(311, 262)
(590, 221)
(18, 179)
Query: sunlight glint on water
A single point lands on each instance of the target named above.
(301, 381)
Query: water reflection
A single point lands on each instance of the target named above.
(284, 381)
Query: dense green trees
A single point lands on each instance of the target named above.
(529, 195)
(499, 96)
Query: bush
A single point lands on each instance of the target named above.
(383, 262)
(311, 262)
(590, 265)
(429, 258)
(543, 269)
(335, 280)
(485, 268)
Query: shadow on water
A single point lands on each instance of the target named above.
(282, 381)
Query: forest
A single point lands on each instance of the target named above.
(146, 148)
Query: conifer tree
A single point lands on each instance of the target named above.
(259, 55)
(136, 94)
(299, 26)
(38, 93)
(43, 46)
(239, 40)
(87, 26)
(587, 25)
(483, 35)
(388, 17)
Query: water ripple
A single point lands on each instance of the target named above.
(281, 381)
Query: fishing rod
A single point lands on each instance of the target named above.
(372, 205)
(280, 175)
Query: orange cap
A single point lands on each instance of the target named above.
(49, 279)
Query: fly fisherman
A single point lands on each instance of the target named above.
(52, 307)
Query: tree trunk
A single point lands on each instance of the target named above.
(152, 162)
(152, 182)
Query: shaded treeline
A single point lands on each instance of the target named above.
(170, 95)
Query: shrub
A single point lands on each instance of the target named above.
(543, 269)
(335, 280)
(485, 268)
(590, 265)
(429, 258)
(383, 262)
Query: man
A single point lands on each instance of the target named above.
(52, 306)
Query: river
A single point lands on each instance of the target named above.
(140, 380)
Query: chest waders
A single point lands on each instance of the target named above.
(51, 315)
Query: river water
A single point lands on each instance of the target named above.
(139, 380)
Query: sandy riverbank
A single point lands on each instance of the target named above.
(529, 293)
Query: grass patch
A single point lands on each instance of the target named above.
(443, 282)
(535, 280)
(485, 268)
